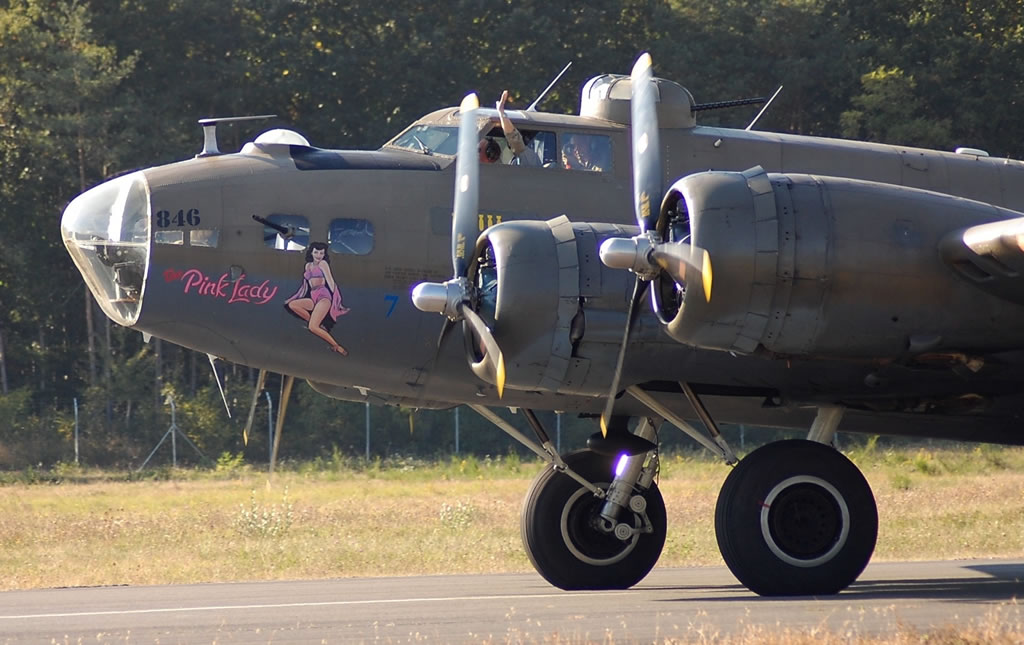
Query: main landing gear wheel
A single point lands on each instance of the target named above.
(796, 518)
(561, 531)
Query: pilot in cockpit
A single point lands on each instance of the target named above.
(490, 151)
(522, 154)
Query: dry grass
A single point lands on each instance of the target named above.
(444, 518)
(1002, 625)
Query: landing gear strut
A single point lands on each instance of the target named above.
(573, 545)
(591, 520)
(794, 517)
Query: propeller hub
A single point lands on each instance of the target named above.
(430, 297)
(442, 298)
(630, 253)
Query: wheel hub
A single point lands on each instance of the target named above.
(805, 521)
(581, 530)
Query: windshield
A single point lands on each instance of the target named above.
(429, 139)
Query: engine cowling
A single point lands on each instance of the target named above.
(555, 310)
(825, 266)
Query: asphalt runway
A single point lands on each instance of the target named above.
(691, 604)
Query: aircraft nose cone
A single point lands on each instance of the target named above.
(106, 231)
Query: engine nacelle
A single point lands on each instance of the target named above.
(555, 310)
(808, 265)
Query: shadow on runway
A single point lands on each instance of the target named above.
(999, 582)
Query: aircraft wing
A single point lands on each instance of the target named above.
(989, 256)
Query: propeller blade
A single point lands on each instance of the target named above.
(676, 257)
(638, 292)
(646, 186)
(493, 351)
(467, 176)
(454, 298)
(646, 144)
(445, 328)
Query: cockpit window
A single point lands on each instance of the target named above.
(207, 237)
(350, 236)
(285, 232)
(541, 141)
(590, 152)
(543, 144)
(169, 237)
(429, 139)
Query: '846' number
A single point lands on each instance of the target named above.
(184, 217)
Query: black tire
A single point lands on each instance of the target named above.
(562, 542)
(796, 518)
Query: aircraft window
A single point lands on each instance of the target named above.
(203, 237)
(285, 232)
(429, 139)
(169, 237)
(591, 152)
(350, 236)
(542, 142)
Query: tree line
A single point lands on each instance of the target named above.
(93, 88)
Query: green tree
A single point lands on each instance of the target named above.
(889, 111)
(62, 131)
(964, 60)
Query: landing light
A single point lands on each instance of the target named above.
(620, 466)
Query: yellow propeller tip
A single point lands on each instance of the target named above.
(470, 102)
(245, 438)
(500, 377)
(642, 63)
(706, 276)
(604, 427)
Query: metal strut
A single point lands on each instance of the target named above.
(631, 474)
(545, 450)
(715, 443)
(823, 430)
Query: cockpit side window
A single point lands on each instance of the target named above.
(350, 236)
(589, 152)
(542, 142)
(207, 237)
(285, 232)
(169, 237)
(429, 139)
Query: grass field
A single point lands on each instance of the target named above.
(339, 518)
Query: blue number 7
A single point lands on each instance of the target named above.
(393, 299)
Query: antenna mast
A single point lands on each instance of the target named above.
(533, 106)
(763, 109)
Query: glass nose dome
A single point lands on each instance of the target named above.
(106, 231)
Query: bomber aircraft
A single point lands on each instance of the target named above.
(780, 280)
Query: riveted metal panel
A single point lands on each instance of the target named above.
(561, 228)
(576, 375)
(745, 344)
(766, 245)
(565, 276)
(589, 262)
(566, 251)
(567, 254)
(812, 213)
(554, 375)
(761, 296)
(758, 181)
(767, 235)
(786, 261)
(764, 207)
